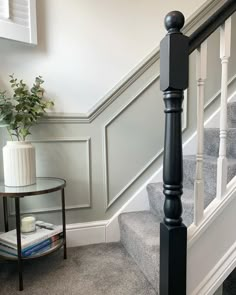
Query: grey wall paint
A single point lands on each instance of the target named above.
(106, 160)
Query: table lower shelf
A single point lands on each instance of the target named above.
(48, 250)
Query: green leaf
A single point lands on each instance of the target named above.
(24, 108)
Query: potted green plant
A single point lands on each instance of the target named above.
(18, 113)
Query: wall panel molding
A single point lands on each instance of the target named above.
(125, 93)
(111, 200)
(87, 142)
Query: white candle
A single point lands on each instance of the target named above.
(28, 224)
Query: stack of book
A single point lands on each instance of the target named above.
(44, 238)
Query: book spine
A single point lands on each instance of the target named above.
(13, 250)
(41, 239)
(51, 239)
(47, 244)
(28, 251)
(36, 248)
(36, 241)
(48, 247)
(8, 250)
(45, 248)
(3, 246)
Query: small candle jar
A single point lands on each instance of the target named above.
(28, 224)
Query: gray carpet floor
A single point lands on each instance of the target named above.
(104, 269)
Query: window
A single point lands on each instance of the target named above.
(18, 20)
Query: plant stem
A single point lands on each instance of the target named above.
(10, 133)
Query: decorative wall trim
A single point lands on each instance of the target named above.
(109, 203)
(86, 140)
(158, 154)
(198, 17)
(109, 98)
(128, 185)
(91, 232)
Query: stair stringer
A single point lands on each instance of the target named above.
(212, 245)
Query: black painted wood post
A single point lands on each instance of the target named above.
(174, 56)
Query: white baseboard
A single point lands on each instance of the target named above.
(81, 234)
(138, 202)
(105, 231)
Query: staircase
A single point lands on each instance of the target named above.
(140, 230)
(190, 250)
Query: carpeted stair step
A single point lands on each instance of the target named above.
(156, 201)
(140, 237)
(232, 115)
(140, 230)
(212, 140)
(209, 172)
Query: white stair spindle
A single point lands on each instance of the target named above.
(201, 75)
(225, 45)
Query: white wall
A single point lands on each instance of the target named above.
(86, 47)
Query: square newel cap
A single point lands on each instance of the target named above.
(174, 54)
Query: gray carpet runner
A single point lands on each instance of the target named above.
(140, 230)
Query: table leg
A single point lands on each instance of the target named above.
(5, 214)
(64, 220)
(18, 234)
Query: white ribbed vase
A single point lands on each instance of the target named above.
(19, 163)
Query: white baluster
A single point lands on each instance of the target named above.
(201, 75)
(225, 44)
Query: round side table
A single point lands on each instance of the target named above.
(43, 185)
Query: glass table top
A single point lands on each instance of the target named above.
(43, 185)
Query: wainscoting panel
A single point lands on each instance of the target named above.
(131, 144)
(135, 137)
(107, 154)
(67, 158)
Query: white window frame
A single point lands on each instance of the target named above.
(10, 30)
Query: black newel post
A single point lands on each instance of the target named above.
(173, 233)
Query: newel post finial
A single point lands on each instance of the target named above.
(174, 21)
(174, 54)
